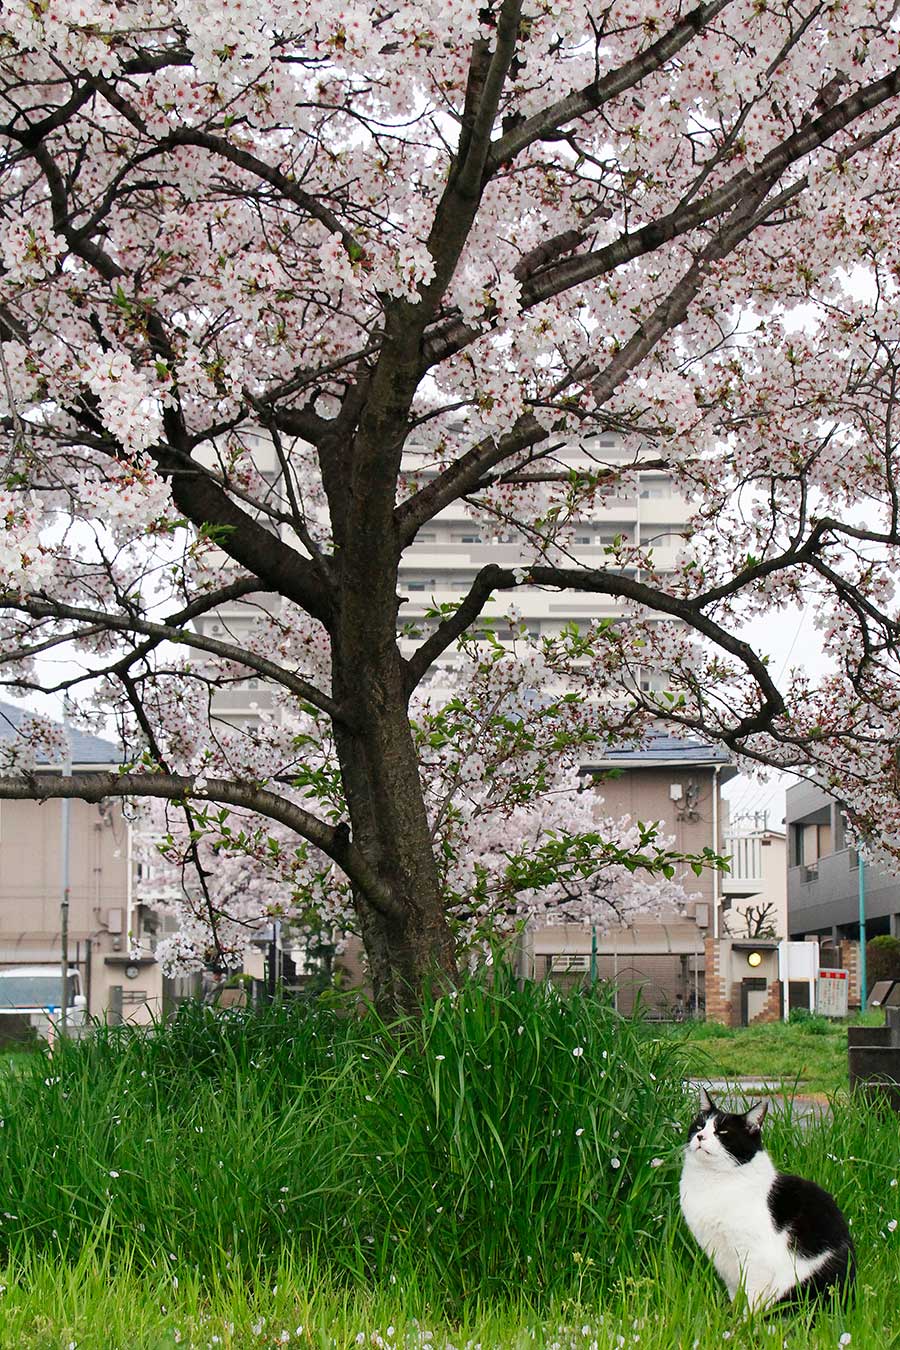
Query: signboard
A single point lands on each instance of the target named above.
(833, 992)
(797, 961)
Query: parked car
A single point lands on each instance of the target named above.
(32, 994)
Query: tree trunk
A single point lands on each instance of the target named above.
(409, 940)
(410, 943)
(403, 959)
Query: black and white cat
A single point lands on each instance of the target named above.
(777, 1237)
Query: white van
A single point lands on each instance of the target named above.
(34, 993)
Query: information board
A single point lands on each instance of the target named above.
(833, 992)
(879, 992)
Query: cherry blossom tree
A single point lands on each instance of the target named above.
(518, 831)
(340, 231)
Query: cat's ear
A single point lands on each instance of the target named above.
(706, 1101)
(755, 1116)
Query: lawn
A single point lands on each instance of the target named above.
(812, 1054)
(502, 1174)
(98, 1305)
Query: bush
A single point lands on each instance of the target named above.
(882, 959)
(810, 1023)
(501, 1137)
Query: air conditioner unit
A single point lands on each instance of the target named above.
(569, 963)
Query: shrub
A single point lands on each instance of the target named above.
(499, 1138)
(810, 1023)
(882, 959)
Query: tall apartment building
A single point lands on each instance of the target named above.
(675, 782)
(449, 551)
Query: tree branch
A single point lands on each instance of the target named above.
(41, 607)
(690, 612)
(600, 91)
(331, 840)
(465, 473)
(452, 335)
(241, 159)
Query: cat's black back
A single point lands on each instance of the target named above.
(814, 1225)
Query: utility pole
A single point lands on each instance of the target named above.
(863, 990)
(64, 903)
(273, 971)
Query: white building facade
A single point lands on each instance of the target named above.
(450, 550)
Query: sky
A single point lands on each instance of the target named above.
(789, 640)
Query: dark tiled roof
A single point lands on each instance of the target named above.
(86, 749)
(659, 749)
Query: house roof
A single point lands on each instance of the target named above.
(660, 750)
(87, 751)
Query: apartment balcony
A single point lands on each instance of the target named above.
(471, 556)
(663, 510)
(824, 880)
(746, 875)
(241, 699)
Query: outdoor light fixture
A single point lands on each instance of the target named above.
(754, 959)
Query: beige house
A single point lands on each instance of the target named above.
(104, 923)
(678, 783)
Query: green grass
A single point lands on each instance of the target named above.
(504, 1131)
(813, 1053)
(231, 1178)
(671, 1301)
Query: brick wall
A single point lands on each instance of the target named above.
(771, 1012)
(719, 1005)
(849, 958)
(735, 1004)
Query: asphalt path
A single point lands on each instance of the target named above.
(737, 1094)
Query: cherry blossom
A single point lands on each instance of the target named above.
(280, 283)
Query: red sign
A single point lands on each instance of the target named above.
(833, 992)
